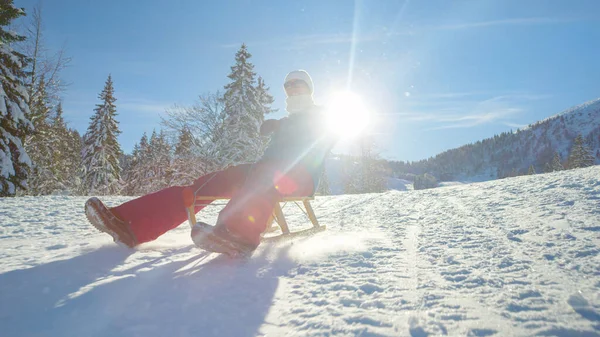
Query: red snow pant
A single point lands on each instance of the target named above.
(253, 190)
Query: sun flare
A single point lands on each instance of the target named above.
(347, 115)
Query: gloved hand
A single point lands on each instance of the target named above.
(269, 126)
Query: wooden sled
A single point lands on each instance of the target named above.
(191, 200)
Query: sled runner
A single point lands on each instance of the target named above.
(204, 237)
(191, 199)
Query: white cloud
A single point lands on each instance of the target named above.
(305, 41)
(443, 111)
(506, 22)
(142, 106)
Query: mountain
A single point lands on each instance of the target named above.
(511, 257)
(512, 153)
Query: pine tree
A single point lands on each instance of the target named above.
(556, 163)
(39, 145)
(425, 181)
(74, 161)
(351, 176)
(531, 170)
(264, 97)
(265, 100)
(187, 166)
(66, 154)
(184, 144)
(371, 170)
(244, 113)
(159, 163)
(14, 124)
(136, 176)
(323, 188)
(101, 149)
(580, 155)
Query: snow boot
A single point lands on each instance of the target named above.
(105, 221)
(218, 239)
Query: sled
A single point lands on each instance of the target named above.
(191, 200)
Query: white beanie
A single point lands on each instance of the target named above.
(300, 75)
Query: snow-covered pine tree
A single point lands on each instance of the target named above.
(128, 172)
(556, 163)
(136, 176)
(371, 169)
(324, 188)
(101, 149)
(244, 113)
(351, 177)
(580, 155)
(264, 97)
(66, 154)
(266, 101)
(14, 109)
(531, 170)
(73, 162)
(160, 161)
(425, 181)
(39, 146)
(186, 165)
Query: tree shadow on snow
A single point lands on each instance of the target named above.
(200, 296)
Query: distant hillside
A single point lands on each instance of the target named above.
(513, 153)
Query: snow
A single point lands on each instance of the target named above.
(511, 257)
(398, 184)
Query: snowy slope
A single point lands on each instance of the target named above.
(513, 153)
(512, 257)
(560, 129)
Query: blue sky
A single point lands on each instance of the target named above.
(436, 74)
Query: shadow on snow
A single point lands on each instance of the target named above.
(197, 296)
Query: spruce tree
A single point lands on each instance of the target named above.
(531, 170)
(186, 165)
(39, 145)
(66, 154)
(266, 101)
(580, 155)
(244, 113)
(185, 143)
(160, 161)
(556, 163)
(74, 161)
(351, 177)
(14, 109)
(324, 188)
(136, 176)
(264, 97)
(101, 149)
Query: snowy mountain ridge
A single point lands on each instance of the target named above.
(589, 106)
(582, 119)
(511, 257)
(514, 153)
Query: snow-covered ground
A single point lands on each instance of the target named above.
(512, 257)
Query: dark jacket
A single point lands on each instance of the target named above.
(301, 138)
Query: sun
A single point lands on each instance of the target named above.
(347, 115)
